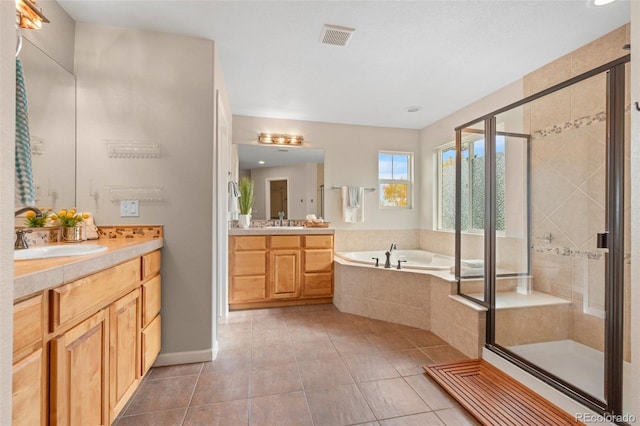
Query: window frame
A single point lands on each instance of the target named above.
(409, 181)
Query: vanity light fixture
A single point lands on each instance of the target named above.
(28, 15)
(280, 139)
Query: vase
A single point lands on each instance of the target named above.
(73, 234)
(244, 220)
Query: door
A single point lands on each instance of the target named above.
(79, 380)
(278, 198)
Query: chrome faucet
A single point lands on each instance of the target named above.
(393, 247)
(29, 208)
(21, 241)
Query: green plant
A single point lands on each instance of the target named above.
(245, 202)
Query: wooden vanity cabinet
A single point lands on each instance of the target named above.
(248, 269)
(318, 266)
(29, 363)
(81, 349)
(280, 270)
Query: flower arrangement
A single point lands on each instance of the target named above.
(245, 202)
(32, 221)
(69, 218)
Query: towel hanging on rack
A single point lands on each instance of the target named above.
(234, 193)
(352, 214)
(25, 194)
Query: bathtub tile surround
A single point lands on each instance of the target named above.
(412, 298)
(347, 240)
(354, 370)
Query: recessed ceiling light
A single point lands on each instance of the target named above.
(260, 162)
(596, 3)
(414, 108)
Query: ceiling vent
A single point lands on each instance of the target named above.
(335, 35)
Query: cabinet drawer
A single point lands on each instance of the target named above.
(27, 323)
(151, 299)
(318, 241)
(73, 299)
(320, 260)
(249, 243)
(248, 263)
(151, 343)
(318, 285)
(285, 241)
(248, 289)
(151, 264)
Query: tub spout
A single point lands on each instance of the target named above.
(387, 263)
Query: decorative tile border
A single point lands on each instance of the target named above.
(587, 120)
(131, 231)
(567, 251)
(40, 236)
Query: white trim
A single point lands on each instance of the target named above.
(189, 357)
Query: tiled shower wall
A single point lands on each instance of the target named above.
(568, 137)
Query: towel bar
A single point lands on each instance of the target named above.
(366, 189)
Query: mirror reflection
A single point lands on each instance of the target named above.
(51, 97)
(288, 180)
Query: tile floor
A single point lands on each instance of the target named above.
(308, 365)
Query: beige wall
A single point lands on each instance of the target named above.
(151, 87)
(350, 158)
(57, 38)
(7, 172)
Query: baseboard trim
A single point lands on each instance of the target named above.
(185, 357)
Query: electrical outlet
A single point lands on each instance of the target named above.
(129, 208)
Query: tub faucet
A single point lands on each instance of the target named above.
(387, 263)
(392, 248)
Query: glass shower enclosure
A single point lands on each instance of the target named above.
(540, 220)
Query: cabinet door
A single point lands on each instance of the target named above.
(124, 350)
(151, 299)
(28, 391)
(79, 379)
(151, 343)
(318, 285)
(318, 260)
(284, 266)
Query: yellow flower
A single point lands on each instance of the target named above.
(72, 211)
(86, 215)
(53, 216)
(62, 213)
(69, 214)
(30, 214)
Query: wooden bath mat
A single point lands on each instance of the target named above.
(493, 397)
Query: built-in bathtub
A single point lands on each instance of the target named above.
(410, 259)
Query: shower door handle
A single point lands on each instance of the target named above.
(603, 240)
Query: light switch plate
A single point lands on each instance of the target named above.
(129, 208)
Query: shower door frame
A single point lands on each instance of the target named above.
(614, 257)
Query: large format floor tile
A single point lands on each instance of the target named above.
(303, 365)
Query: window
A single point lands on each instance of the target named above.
(472, 200)
(395, 178)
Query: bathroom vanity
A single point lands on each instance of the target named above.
(280, 267)
(86, 330)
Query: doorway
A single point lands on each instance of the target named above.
(278, 200)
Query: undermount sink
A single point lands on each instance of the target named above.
(42, 252)
(285, 227)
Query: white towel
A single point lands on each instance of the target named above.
(472, 263)
(352, 214)
(234, 194)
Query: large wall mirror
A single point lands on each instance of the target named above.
(286, 179)
(51, 99)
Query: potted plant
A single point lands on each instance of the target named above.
(71, 223)
(245, 201)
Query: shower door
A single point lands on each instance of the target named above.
(554, 234)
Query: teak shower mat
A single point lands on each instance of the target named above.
(493, 397)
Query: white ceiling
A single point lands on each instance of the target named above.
(441, 55)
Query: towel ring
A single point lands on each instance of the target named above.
(19, 41)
